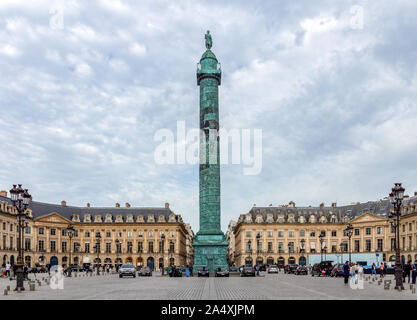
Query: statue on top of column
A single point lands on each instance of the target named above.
(209, 42)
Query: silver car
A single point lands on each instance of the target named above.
(127, 269)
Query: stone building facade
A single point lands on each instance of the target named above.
(281, 231)
(230, 238)
(137, 229)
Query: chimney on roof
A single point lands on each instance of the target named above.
(166, 205)
(291, 204)
(270, 204)
(63, 203)
(117, 205)
(127, 205)
(415, 193)
(88, 204)
(334, 205)
(358, 202)
(3, 193)
(321, 205)
(254, 204)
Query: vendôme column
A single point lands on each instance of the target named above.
(210, 243)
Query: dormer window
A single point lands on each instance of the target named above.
(323, 219)
(87, 218)
(333, 219)
(151, 218)
(270, 218)
(280, 219)
(130, 218)
(312, 218)
(75, 217)
(259, 219)
(161, 218)
(291, 219)
(248, 219)
(301, 219)
(139, 218)
(119, 218)
(108, 218)
(346, 219)
(97, 218)
(171, 218)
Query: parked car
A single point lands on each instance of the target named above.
(290, 268)
(337, 270)
(221, 272)
(127, 269)
(248, 272)
(145, 272)
(273, 269)
(204, 272)
(301, 270)
(175, 272)
(319, 267)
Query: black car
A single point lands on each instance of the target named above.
(248, 272)
(203, 272)
(175, 272)
(337, 270)
(301, 270)
(145, 272)
(290, 268)
(319, 268)
(221, 272)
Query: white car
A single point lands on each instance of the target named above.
(127, 269)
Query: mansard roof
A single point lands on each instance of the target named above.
(381, 208)
(41, 208)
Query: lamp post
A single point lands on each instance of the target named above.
(258, 240)
(325, 252)
(163, 243)
(321, 239)
(20, 199)
(70, 232)
(117, 254)
(302, 244)
(396, 197)
(98, 238)
(250, 250)
(341, 252)
(349, 233)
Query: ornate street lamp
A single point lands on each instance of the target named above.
(341, 252)
(98, 239)
(325, 252)
(302, 248)
(163, 243)
(70, 232)
(349, 233)
(118, 250)
(396, 197)
(20, 199)
(321, 239)
(250, 250)
(258, 240)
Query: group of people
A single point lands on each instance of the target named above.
(8, 270)
(353, 270)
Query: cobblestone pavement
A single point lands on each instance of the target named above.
(267, 286)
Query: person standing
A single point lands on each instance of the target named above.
(381, 270)
(346, 270)
(407, 271)
(373, 271)
(413, 273)
(353, 271)
(8, 266)
(187, 271)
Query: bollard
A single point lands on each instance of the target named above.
(413, 290)
(6, 292)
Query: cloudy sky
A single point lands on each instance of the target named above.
(85, 85)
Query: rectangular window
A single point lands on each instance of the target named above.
(150, 234)
(291, 247)
(108, 247)
(64, 232)
(334, 233)
(270, 234)
(4, 242)
(368, 231)
(302, 233)
(140, 234)
(410, 227)
(11, 243)
(410, 243)
(108, 234)
(280, 233)
(11, 227)
(4, 226)
(140, 247)
(87, 234)
(403, 227)
(248, 234)
(270, 247)
(64, 246)
(129, 247)
(27, 230)
(53, 245)
(129, 234)
(312, 234)
(356, 232)
(87, 247)
(393, 244)
(357, 245)
(41, 230)
(280, 247)
(368, 245)
(380, 244)
(392, 229)
(291, 234)
(27, 244)
(41, 245)
(379, 230)
(150, 247)
(53, 232)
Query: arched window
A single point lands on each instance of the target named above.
(301, 219)
(312, 218)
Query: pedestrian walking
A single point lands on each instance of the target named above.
(360, 272)
(413, 273)
(407, 271)
(8, 266)
(353, 272)
(257, 270)
(381, 270)
(187, 271)
(373, 271)
(346, 271)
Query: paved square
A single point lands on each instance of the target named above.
(267, 286)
